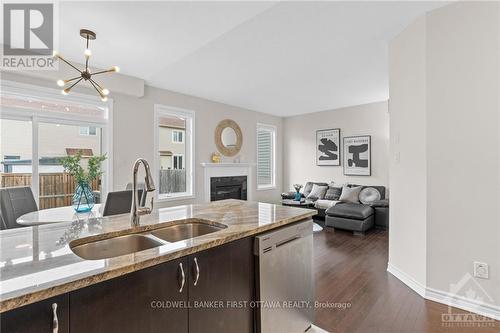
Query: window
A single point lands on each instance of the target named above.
(177, 162)
(177, 136)
(88, 131)
(266, 146)
(174, 160)
(37, 127)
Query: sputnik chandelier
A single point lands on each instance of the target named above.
(85, 74)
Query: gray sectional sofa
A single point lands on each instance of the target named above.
(370, 209)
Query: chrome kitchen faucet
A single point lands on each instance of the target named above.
(137, 210)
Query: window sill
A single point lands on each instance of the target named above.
(266, 188)
(164, 198)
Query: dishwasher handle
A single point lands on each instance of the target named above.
(287, 241)
(280, 237)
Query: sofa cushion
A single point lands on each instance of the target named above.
(317, 192)
(333, 193)
(308, 187)
(325, 204)
(350, 210)
(380, 203)
(350, 194)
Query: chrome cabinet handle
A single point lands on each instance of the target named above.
(55, 321)
(183, 277)
(197, 271)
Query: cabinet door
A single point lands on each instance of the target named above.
(222, 274)
(38, 317)
(149, 300)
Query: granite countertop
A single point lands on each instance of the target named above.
(37, 263)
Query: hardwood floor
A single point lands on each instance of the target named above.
(352, 269)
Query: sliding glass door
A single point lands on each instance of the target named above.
(37, 131)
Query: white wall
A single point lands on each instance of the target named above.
(300, 144)
(408, 170)
(445, 90)
(463, 145)
(133, 133)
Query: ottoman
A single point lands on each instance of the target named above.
(350, 216)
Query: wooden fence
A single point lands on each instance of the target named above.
(56, 189)
(172, 181)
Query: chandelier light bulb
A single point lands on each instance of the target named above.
(84, 75)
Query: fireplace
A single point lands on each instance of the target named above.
(228, 188)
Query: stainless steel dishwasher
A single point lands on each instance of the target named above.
(285, 285)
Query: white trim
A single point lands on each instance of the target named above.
(226, 170)
(107, 148)
(17, 88)
(406, 279)
(446, 298)
(273, 129)
(225, 165)
(189, 156)
(463, 303)
(265, 187)
(35, 160)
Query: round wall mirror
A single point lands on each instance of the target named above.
(228, 137)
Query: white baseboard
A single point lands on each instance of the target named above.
(463, 303)
(406, 279)
(445, 298)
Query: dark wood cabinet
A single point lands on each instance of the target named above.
(149, 300)
(215, 297)
(220, 299)
(38, 317)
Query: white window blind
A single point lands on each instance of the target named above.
(265, 156)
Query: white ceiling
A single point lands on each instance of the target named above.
(280, 58)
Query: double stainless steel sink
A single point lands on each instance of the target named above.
(135, 242)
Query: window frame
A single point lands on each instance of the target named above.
(188, 156)
(181, 158)
(87, 132)
(176, 131)
(38, 116)
(273, 130)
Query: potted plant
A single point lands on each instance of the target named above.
(83, 198)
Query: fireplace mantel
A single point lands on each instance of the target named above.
(227, 170)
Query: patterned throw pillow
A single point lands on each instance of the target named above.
(333, 193)
(317, 192)
(350, 194)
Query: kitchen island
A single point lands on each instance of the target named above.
(39, 269)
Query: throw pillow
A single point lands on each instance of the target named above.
(307, 188)
(369, 195)
(350, 194)
(333, 193)
(317, 192)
